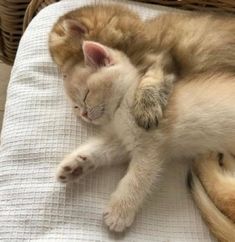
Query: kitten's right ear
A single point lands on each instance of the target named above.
(74, 27)
(96, 55)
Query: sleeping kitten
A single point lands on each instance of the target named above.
(164, 49)
(199, 118)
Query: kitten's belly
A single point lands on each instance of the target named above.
(185, 141)
(191, 144)
(170, 147)
(187, 150)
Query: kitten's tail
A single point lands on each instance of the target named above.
(221, 226)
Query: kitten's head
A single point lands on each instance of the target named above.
(112, 25)
(97, 85)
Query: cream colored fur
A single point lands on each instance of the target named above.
(199, 118)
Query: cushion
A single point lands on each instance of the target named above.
(40, 128)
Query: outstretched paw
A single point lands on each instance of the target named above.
(117, 217)
(73, 167)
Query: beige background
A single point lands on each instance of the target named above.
(4, 78)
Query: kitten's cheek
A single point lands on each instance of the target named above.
(77, 113)
(78, 116)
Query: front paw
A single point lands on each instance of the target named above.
(147, 108)
(149, 104)
(118, 217)
(73, 167)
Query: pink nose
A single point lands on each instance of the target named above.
(84, 113)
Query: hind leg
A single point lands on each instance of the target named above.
(229, 163)
(215, 173)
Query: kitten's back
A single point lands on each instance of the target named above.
(197, 41)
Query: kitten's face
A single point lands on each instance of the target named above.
(97, 87)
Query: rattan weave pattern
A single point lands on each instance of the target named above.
(11, 16)
(201, 5)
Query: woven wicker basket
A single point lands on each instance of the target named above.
(11, 15)
(15, 15)
(200, 5)
(33, 8)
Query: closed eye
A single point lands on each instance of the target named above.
(84, 100)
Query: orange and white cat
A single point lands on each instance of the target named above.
(199, 118)
(170, 47)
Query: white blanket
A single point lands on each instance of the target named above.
(39, 129)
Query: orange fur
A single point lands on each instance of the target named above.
(106, 24)
(219, 181)
(220, 225)
(213, 188)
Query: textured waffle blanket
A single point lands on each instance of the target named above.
(39, 129)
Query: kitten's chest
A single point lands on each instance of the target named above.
(126, 129)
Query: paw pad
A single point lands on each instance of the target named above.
(73, 168)
(77, 172)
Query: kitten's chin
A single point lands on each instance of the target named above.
(101, 121)
(97, 122)
(89, 121)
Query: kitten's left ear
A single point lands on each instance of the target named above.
(74, 27)
(96, 55)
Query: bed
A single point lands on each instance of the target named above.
(40, 128)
